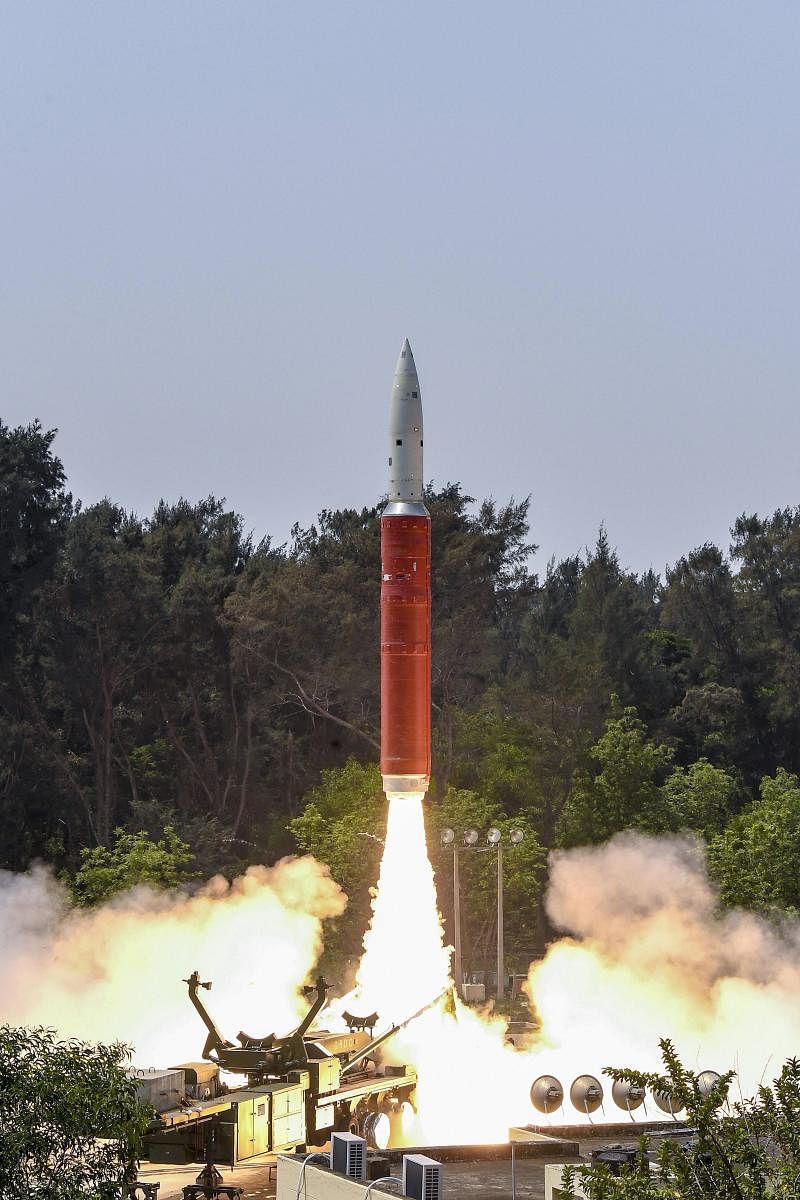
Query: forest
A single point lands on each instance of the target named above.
(177, 699)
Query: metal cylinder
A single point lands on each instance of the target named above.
(547, 1094)
(377, 1129)
(586, 1094)
(706, 1081)
(405, 648)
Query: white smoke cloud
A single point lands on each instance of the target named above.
(114, 972)
(652, 954)
(649, 953)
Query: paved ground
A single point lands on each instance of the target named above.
(254, 1176)
(474, 1179)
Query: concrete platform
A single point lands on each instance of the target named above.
(535, 1145)
(472, 1171)
(610, 1131)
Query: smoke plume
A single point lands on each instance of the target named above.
(652, 954)
(114, 972)
(648, 953)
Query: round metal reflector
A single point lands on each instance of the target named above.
(547, 1094)
(628, 1096)
(667, 1104)
(448, 837)
(377, 1129)
(586, 1094)
(707, 1080)
(471, 837)
(493, 836)
(517, 836)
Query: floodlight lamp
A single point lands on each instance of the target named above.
(493, 836)
(516, 835)
(448, 837)
(471, 837)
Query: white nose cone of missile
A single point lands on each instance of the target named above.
(405, 431)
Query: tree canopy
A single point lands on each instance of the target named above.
(70, 1121)
(133, 858)
(168, 671)
(746, 1150)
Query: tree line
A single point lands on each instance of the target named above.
(170, 673)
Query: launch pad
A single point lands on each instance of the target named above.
(303, 1087)
(300, 1088)
(470, 1172)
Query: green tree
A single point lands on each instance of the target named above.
(768, 551)
(481, 587)
(711, 722)
(100, 617)
(587, 636)
(754, 859)
(625, 792)
(70, 1122)
(720, 714)
(702, 796)
(343, 825)
(495, 754)
(316, 692)
(590, 632)
(133, 858)
(747, 1153)
(197, 682)
(700, 604)
(168, 670)
(608, 628)
(35, 511)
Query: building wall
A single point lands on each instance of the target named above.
(322, 1184)
(553, 1183)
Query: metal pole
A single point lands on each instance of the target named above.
(457, 968)
(513, 1170)
(500, 955)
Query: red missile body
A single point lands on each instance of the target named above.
(406, 650)
(405, 596)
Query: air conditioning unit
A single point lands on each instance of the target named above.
(349, 1155)
(422, 1177)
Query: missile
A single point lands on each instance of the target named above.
(405, 595)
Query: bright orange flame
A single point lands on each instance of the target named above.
(472, 1085)
(405, 963)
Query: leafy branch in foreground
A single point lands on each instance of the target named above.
(749, 1151)
(70, 1121)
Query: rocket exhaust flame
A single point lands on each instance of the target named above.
(405, 961)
